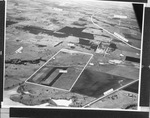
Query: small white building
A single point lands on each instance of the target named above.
(63, 71)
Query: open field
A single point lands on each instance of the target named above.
(95, 84)
(72, 62)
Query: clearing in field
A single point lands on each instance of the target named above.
(62, 70)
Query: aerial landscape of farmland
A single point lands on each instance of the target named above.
(71, 53)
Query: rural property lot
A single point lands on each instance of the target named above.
(62, 70)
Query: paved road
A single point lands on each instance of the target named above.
(113, 34)
(96, 100)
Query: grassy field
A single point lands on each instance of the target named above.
(73, 62)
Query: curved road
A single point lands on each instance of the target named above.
(113, 34)
(96, 100)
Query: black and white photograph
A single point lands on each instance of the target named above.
(72, 54)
